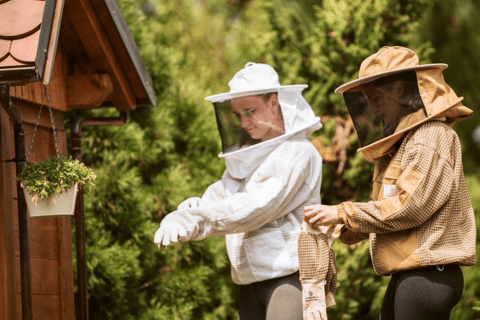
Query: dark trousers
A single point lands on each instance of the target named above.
(274, 299)
(423, 293)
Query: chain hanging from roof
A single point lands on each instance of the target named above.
(57, 147)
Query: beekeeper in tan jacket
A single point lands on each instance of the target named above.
(420, 221)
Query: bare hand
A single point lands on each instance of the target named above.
(321, 215)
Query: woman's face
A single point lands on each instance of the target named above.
(259, 118)
(385, 103)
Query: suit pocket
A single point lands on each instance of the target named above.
(268, 255)
(389, 182)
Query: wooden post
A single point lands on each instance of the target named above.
(21, 161)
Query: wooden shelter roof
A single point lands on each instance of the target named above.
(26, 28)
(96, 38)
(19, 32)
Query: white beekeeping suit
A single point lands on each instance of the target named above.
(272, 172)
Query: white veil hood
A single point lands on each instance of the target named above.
(299, 119)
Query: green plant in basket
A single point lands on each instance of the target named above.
(46, 178)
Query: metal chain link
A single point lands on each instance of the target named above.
(35, 129)
(57, 147)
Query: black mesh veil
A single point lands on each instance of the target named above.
(231, 133)
(248, 120)
(385, 106)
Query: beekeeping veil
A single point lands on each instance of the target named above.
(257, 115)
(395, 94)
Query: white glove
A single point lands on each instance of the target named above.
(314, 300)
(190, 203)
(169, 232)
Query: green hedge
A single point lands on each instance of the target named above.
(163, 155)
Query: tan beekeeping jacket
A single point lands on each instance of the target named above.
(421, 213)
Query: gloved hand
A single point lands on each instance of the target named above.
(169, 232)
(190, 203)
(313, 256)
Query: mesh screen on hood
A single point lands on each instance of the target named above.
(244, 152)
(248, 120)
(384, 106)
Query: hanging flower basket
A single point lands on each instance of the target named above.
(58, 205)
(50, 186)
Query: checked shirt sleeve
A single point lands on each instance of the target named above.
(423, 182)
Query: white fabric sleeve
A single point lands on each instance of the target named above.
(267, 196)
(215, 192)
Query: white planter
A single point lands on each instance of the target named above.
(64, 204)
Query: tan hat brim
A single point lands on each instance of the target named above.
(358, 82)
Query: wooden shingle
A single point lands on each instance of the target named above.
(20, 22)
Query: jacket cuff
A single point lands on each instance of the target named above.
(342, 214)
(346, 212)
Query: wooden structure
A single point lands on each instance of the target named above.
(83, 51)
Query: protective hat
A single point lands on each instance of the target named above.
(258, 114)
(395, 94)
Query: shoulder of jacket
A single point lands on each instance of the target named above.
(429, 133)
(434, 135)
(297, 150)
(298, 147)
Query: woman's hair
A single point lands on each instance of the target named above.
(266, 96)
(401, 86)
(411, 99)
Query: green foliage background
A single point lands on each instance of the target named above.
(166, 154)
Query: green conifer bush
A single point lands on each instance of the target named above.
(163, 155)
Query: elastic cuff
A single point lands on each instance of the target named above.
(346, 213)
(342, 213)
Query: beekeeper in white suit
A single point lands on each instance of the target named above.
(272, 173)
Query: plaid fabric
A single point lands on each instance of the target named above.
(318, 273)
(317, 260)
(313, 256)
(331, 278)
(421, 213)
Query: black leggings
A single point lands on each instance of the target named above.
(274, 299)
(423, 293)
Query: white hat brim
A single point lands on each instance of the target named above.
(236, 94)
(358, 82)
